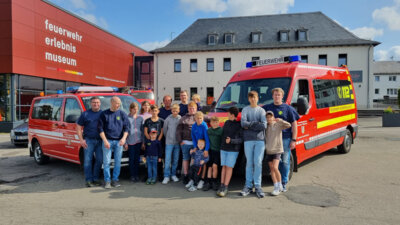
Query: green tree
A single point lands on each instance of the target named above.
(398, 97)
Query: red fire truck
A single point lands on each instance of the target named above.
(323, 96)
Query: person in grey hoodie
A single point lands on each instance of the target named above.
(171, 145)
(134, 140)
(254, 123)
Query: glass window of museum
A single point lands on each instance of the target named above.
(17, 92)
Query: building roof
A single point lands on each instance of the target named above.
(321, 31)
(386, 67)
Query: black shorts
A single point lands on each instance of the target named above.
(270, 158)
(214, 158)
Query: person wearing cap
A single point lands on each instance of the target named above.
(153, 154)
(113, 128)
(274, 148)
(289, 135)
(157, 123)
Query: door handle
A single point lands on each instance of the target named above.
(311, 119)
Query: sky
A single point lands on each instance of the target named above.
(154, 23)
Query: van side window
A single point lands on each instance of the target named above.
(330, 93)
(71, 109)
(47, 109)
(300, 90)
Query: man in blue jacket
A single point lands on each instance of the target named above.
(113, 129)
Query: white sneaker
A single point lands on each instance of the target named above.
(284, 187)
(192, 188)
(188, 185)
(166, 180)
(200, 184)
(175, 179)
(275, 192)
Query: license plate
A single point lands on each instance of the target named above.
(21, 137)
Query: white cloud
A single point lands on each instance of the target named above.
(368, 33)
(391, 54)
(148, 46)
(237, 7)
(79, 4)
(258, 7)
(191, 6)
(389, 15)
(99, 21)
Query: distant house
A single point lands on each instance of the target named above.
(204, 57)
(386, 80)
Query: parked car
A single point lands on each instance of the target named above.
(19, 135)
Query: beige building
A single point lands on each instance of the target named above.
(206, 55)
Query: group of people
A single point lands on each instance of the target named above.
(180, 131)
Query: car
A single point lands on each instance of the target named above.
(19, 134)
(52, 122)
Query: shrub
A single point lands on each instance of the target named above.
(398, 97)
(388, 110)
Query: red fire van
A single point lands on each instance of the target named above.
(323, 96)
(52, 127)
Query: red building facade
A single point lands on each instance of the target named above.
(44, 49)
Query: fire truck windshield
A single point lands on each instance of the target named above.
(105, 102)
(235, 94)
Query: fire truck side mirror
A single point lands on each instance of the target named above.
(302, 105)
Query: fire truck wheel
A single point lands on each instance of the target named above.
(346, 146)
(38, 155)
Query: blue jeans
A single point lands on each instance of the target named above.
(284, 164)
(117, 149)
(134, 159)
(152, 167)
(254, 151)
(186, 151)
(92, 173)
(171, 160)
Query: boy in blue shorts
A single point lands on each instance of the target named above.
(232, 137)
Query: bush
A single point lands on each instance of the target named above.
(388, 110)
(398, 97)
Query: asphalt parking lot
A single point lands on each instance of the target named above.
(361, 187)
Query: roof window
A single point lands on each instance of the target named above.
(284, 36)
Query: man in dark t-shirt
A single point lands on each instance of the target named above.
(183, 106)
(165, 111)
(113, 129)
(91, 142)
(289, 114)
